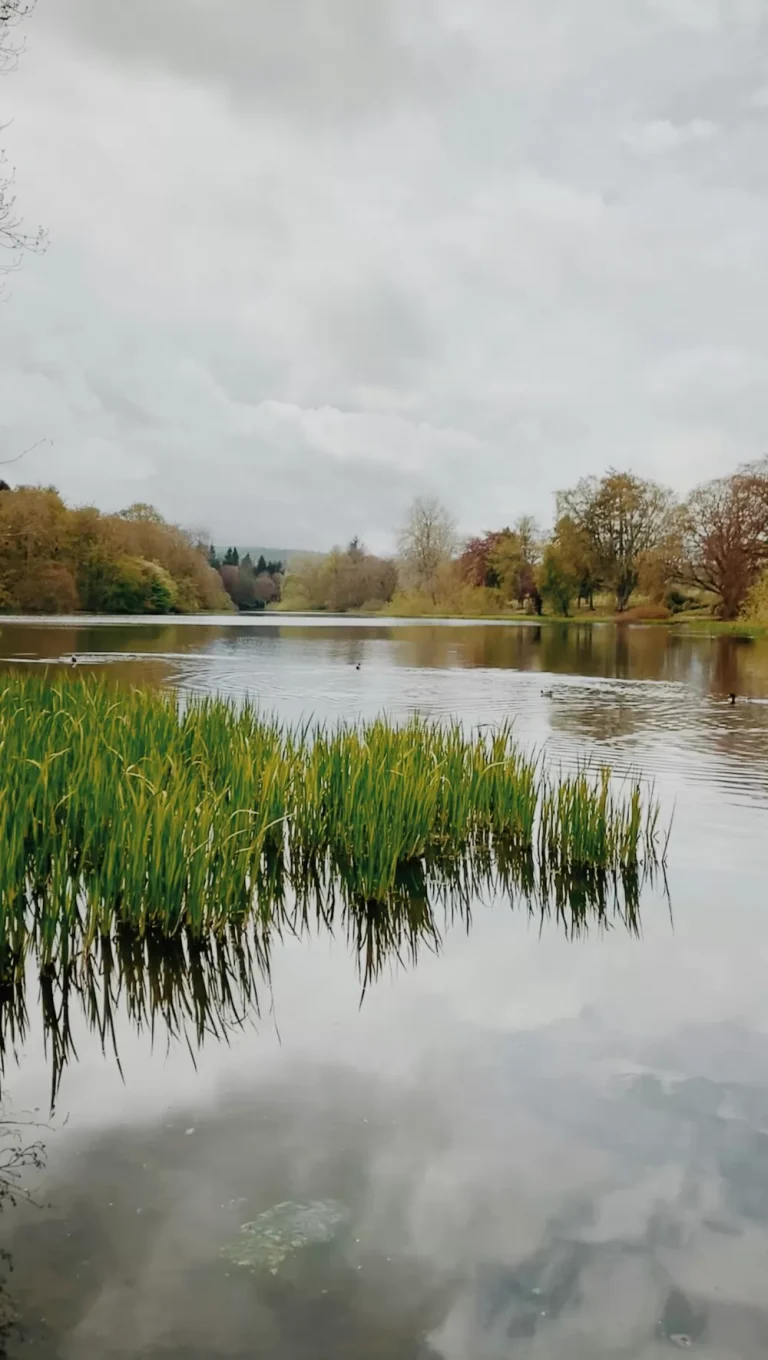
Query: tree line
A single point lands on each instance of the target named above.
(618, 543)
(250, 585)
(621, 540)
(57, 560)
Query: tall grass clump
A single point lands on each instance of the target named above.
(120, 808)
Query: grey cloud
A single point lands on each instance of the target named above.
(128, 412)
(305, 58)
(411, 251)
(662, 135)
(377, 334)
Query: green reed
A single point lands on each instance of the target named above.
(123, 808)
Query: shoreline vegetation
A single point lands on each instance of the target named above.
(697, 623)
(155, 850)
(125, 808)
(622, 549)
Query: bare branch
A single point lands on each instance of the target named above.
(6, 462)
(13, 239)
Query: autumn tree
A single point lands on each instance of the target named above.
(55, 560)
(93, 552)
(47, 587)
(198, 587)
(513, 561)
(623, 517)
(36, 575)
(427, 541)
(32, 529)
(662, 569)
(529, 536)
(140, 512)
(726, 536)
(359, 579)
(475, 560)
(578, 555)
(306, 583)
(343, 579)
(266, 589)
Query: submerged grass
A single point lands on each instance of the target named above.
(123, 808)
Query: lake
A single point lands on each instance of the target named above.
(522, 1140)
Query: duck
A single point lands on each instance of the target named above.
(358, 666)
(732, 699)
(74, 661)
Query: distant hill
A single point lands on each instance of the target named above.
(271, 554)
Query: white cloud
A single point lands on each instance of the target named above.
(709, 369)
(289, 314)
(709, 16)
(660, 135)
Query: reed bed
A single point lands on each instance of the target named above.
(124, 809)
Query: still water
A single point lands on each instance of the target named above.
(523, 1142)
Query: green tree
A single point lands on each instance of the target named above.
(162, 594)
(580, 557)
(623, 517)
(130, 585)
(558, 581)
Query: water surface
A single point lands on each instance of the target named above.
(544, 1144)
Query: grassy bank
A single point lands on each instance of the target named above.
(120, 808)
(678, 623)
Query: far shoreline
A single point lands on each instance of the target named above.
(691, 627)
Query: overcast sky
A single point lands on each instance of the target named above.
(309, 258)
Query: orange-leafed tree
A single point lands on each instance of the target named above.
(726, 535)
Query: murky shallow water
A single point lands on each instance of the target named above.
(543, 1146)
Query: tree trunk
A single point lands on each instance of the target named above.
(624, 587)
